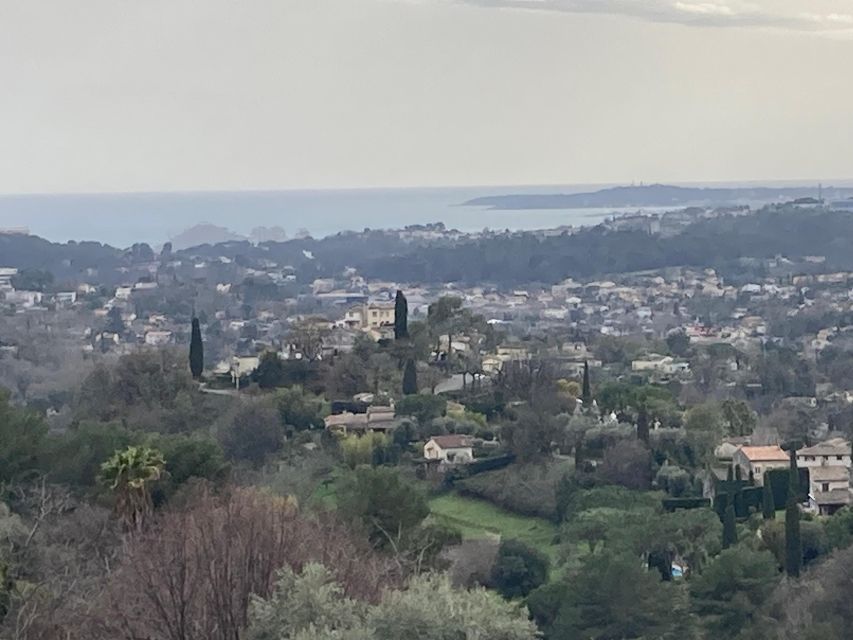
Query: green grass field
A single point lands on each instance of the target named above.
(479, 519)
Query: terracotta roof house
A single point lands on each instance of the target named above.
(379, 419)
(759, 459)
(452, 448)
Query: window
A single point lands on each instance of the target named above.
(839, 457)
(824, 487)
(757, 470)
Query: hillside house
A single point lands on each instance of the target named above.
(6, 275)
(158, 338)
(123, 292)
(370, 316)
(759, 460)
(238, 367)
(829, 489)
(24, 299)
(451, 448)
(375, 419)
(666, 365)
(832, 453)
(65, 298)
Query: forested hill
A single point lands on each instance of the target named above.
(501, 259)
(655, 195)
(717, 242)
(62, 259)
(514, 258)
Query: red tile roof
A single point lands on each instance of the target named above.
(452, 442)
(772, 453)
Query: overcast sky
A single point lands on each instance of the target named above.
(146, 95)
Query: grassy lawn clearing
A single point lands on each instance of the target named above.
(480, 519)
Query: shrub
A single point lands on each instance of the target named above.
(383, 502)
(518, 569)
(674, 480)
(424, 407)
(526, 489)
(628, 464)
(674, 504)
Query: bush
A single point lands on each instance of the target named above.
(611, 596)
(253, 434)
(628, 464)
(674, 480)
(383, 502)
(730, 589)
(674, 504)
(839, 528)
(575, 497)
(518, 569)
(300, 410)
(813, 535)
(369, 449)
(75, 457)
(780, 481)
(422, 406)
(530, 490)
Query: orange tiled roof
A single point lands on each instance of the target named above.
(773, 453)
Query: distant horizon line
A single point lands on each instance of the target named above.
(804, 182)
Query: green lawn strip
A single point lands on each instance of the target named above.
(479, 519)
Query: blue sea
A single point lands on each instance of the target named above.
(122, 219)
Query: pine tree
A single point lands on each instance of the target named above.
(793, 541)
(729, 527)
(730, 475)
(768, 506)
(643, 425)
(196, 351)
(586, 393)
(401, 316)
(751, 478)
(410, 378)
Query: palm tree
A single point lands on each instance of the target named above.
(130, 474)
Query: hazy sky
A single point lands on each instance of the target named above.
(126, 95)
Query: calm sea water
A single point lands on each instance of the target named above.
(122, 219)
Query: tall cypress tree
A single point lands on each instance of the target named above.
(196, 351)
(730, 474)
(586, 393)
(740, 506)
(729, 527)
(401, 316)
(643, 425)
(793, 473)
(410, 378)
(768, 506)
(793, 541)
